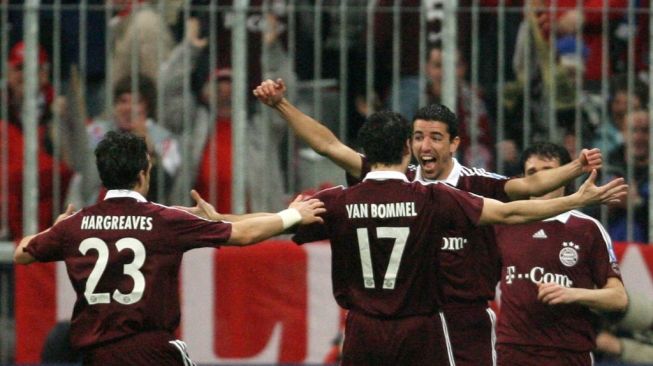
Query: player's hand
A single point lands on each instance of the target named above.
(309, 209)
(69, 211)
(590, 159)
(554, 294)
(202, 208)
(610, 193)
(270, 92)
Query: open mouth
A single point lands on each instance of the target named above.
(428, 162)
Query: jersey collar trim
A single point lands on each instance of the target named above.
(563, 217)
(385, 175)
(452, 179)
(122, 193)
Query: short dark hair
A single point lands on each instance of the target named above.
(120, 157)
(383, 137)
(547, 150)
(439, 113)
(145, 88)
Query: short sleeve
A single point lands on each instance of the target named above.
(188, 231)
(48, 246)
(365, 168)
(319, 231)
(467, 204)
(604, 261)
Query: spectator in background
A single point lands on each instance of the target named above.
(47, 169)
(133, 111)
(636, 142)
(208, 143)
(466, 101)
(609, 135)
(139, 35)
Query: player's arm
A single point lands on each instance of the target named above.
(312, 132)
(207, 211)
(22, 257)
(255, 229)
(548, 180)
(612, 297)
(519, 212)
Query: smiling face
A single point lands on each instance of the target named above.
(433, 148)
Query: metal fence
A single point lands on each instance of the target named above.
(511, 75)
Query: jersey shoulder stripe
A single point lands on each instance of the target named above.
(604, 233)
(466, 171)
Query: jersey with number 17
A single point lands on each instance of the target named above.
(386, 234)
(123, 256)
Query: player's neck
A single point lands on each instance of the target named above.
(401, 167)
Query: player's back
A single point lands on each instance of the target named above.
(123, 257)
(385, 237)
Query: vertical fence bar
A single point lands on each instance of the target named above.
(344, 70)
(630, 71)
(449, 52)
(369, 71)
(423, 49)
(317, 60)
(650, 122)
(56, 118)
(474, 120)
(4, 114)
(578, 81)
(552, 74)
(527, 79)
(213, 102)
(239, 112)
(29, 118)
(605, 92)
(108, 51)
(396, 55)
(501, 66)
(292, 95)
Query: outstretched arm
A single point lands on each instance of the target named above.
(612, 297)
(519, 212)
(548, 180)
(255, 229)
(207, 211)
(312, 132)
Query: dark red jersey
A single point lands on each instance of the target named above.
(385, 235)
(123, 256)
(572, 250)
(472, 267)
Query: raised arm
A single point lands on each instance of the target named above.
(612, 297)
(548, 180)
(519, 212)
(255, 229)
(312, 132)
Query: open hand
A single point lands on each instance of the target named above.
(611, 192)
(202, 208)
(309, 209)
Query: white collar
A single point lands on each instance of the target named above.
(121, 193)
(385, 175)
(452, 179)
(563, 217)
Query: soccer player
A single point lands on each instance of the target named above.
(386, 236)
(555, 273)
(123, 256)
(471, 268)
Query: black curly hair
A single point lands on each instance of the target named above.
(383, 137)
(120, 157)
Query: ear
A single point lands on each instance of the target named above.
(453, 146)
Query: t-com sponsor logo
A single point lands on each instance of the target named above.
(537, 275)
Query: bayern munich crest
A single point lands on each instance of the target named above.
(569, 253)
